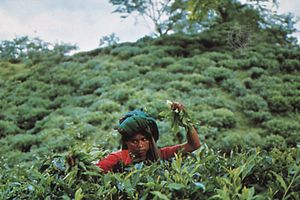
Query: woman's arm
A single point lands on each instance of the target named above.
(193, 141)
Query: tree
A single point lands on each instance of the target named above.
(20, 47)
(25, 48)
(256, 14)
(165, 15)
(109, 40)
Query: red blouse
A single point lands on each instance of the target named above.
(123, 155)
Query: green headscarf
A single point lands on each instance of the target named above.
(137, 121)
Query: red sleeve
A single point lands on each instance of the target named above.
(168, 152)
(108, 162)
(112, 159)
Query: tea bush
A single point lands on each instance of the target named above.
(248, 83)
(253, 103)
(216, 56)
(278, 104)
(105, 105)
(215, 102)
(120, 94)
(23, 142)
(290, 65)
(58, 115)
(28, 116)
(126, 52)
(118, 76)
(258, 117)
(285, 128)
(143, 60)
(230, 64)
(270, 65)
(219, 74)
(163, 62)
(220, 118)
(199, 63)
(180, 68)
(237, 140)
(183, 86)
(174, 51)
(203, 174)
(159, 78)
(8, 128)
(157, 51)
(294, 102)
(256, 72)
(274, 141)
(89, 86)
(234, 86)
(244, 64)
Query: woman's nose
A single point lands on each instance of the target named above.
(140, 143)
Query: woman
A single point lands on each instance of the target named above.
(139, 135)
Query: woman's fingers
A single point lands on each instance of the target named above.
(177, 106)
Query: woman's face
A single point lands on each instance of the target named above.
(138, 145)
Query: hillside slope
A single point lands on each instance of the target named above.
(239, 98)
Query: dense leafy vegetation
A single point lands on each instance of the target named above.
(58, 113)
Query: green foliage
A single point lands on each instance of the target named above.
(285, 128)
(163, 62)
(220, 118)
(235, 87)
(237, 140)
(180, 68)
(256, 72)
(166, 16)
(177, 118)
(279, 104)
(8, 128)
(143, 60)
(290, 65)
(216, 56)
(28, 116)
(230, 63)
(23, 142)
(109, 40)
(125, 52)
(257, 117)
(91, 85)
(253, 103)
(105, 105)
(274, 141)
(182, 86)
(56, 109)
(204, 174)
(219, 74)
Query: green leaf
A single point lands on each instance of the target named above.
(247, 193)
(200, 186)
(175, 186)
(78, 194)
(160, 195)
(280, 180)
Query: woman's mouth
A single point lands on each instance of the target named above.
(141, 151)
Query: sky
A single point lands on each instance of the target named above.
(79, 22)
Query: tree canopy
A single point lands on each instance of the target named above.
(169, 16)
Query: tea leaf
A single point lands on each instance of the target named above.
(79, 194)
(160, 195)
(280, 180)
(175, 186)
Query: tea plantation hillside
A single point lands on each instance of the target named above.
(58, 113)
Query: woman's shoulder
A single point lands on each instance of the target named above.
(169, 151)
(122, 154)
